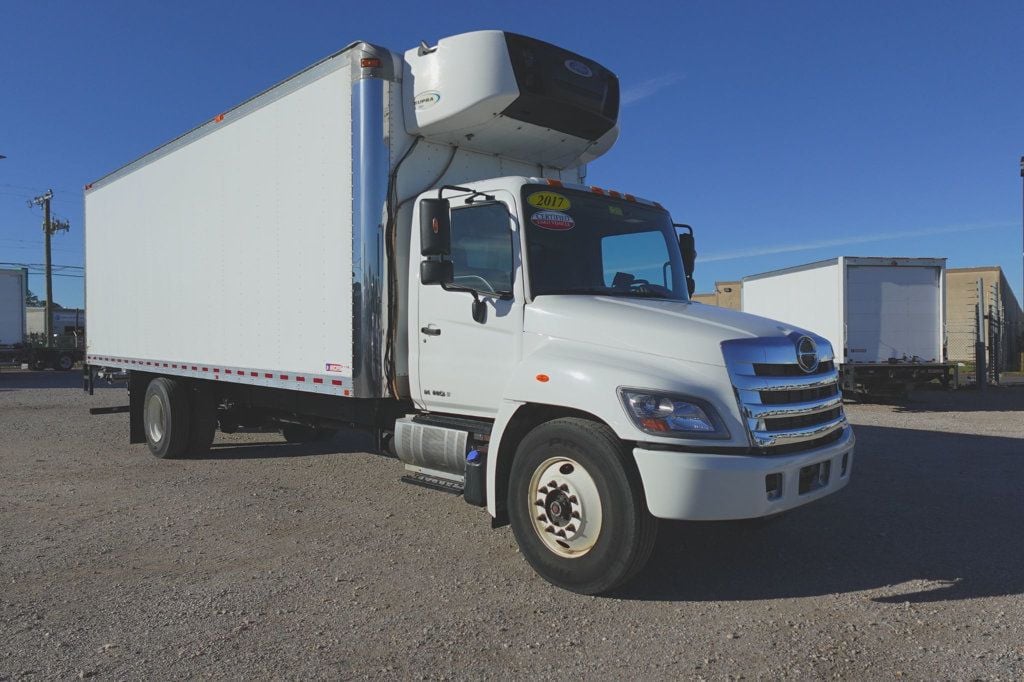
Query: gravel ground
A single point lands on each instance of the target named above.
(274, 560)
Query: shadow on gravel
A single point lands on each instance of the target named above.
(941, 508)
(343, 442)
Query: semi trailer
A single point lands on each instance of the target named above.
(431, 265)
(885, 315)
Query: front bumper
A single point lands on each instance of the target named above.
(705, 487)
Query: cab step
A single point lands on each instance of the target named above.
(445, 485)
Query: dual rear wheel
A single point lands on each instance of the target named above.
(179, 418)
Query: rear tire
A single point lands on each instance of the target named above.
(590, 532)
(64, 362)
(165, 417)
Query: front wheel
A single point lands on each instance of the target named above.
(577, 507)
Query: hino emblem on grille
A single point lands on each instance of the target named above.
(807, 354)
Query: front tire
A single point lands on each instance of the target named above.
(577, 507)
(165, 417)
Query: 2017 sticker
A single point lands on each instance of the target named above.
(553, 220)
(549, 200)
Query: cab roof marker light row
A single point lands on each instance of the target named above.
(551, 182)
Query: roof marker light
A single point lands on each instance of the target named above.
(630, 197)
(370, 62)
(597, 190)
(613, 194)
(218, 118)
(554, 183)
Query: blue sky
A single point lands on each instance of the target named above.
(785, 132)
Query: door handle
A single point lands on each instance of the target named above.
(431, 331)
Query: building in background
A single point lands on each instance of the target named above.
(725, 295)
(1003, 318)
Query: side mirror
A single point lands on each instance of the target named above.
(688, 250)
(435, 228)
(436, 272)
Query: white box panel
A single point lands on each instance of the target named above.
(234, 249)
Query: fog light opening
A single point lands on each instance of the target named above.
(773, 486)
(846, 460)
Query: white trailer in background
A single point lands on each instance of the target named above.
(428, 266)
(12, 306)
(885, 317)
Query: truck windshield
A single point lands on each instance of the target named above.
(582, 243)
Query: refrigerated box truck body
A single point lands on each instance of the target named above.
(885, 317)
(429, 266)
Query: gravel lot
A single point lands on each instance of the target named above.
(274, 560)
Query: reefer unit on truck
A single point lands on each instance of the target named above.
(428, 266)
(885, 317)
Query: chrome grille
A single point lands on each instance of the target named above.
(784, 407)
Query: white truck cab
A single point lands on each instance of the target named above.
(503, 329)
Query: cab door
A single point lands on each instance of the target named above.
(464, 362)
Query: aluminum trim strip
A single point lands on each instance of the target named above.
(767, 439)
(749, 383)
(329, 384)
(792, 409)
(370, 161)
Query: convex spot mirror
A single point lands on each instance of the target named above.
(435, 228)
(436, 272)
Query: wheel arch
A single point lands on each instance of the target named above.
(525, 418)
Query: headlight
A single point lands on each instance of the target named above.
(672, 415)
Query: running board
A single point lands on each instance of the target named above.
(109, 410)
(445, 485)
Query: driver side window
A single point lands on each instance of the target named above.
(482, 248)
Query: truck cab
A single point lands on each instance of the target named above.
(536, 302)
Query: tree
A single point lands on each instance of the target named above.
(31, 299)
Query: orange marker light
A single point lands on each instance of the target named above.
(370, 62)
(597, 190)
(218, 118)
(554, 183)
(543, 378)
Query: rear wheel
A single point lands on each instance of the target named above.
(165, 417)
(64, 362)
(577, 508)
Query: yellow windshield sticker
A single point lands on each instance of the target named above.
(549, 200)
(614, 210)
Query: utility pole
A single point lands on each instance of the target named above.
(49, 227)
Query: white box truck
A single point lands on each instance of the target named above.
(430, 266)
(885, 317)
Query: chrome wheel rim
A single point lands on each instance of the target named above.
(565, 507)
(154, 418)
